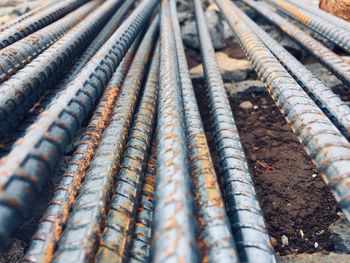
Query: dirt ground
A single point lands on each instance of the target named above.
(294, 199)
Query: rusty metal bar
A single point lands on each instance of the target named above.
(141, 240)
(247, 221)
(26, 15)
(325, 145)
(24, 170)
(325, 56)
(85, 223)
(20, 53)
(36, 22)
(330, 103)
(19, 93)
(174, 224)
(96, 44)
(334, 33)
(215, 237)
(322, 14)
(50, 228)
(118, 231)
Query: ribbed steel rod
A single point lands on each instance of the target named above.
(215, 237)
(20, 53)
(38, 21)
(141, 240)
(96, 44)
(247, 221)
(85, 223)
(50, 227)
(334, 33)
(19, 93)
(325, 56)
(24, 170)
(330, 103)
(26, 15)
(322, 14)
(326, 146)
(118, 231)
(174, 224)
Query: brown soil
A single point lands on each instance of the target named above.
(294, 202)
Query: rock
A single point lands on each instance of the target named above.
(341, 235)
(315, 258)
(232, 69)
(243, 86)
(284, 240)
(246, 105)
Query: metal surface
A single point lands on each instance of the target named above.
(95, 45)
(329, 150)
(336, 110)
(37, 21)
(141, 240)
(50, 228)
(85, 223)
(334, 33)
(246, 217)
(325, 56)
(215, 237)
(20, 53)
(322, 14)
(19, 93)
(118, 231)
(174, 224)
(24, 170)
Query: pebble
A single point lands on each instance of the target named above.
(313, 175)
(246, 105)
(284, 240)
(255, 107)
(316, 245)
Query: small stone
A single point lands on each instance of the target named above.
(284, 240)
(246, 105)
(273, 241)
(301, 233)
(313, 175)
(316, 245)
(255, 107)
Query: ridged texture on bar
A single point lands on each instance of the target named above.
(331, 104)
(36, 22)
(118, 232)
(20, 53)
(141, 241)
(326, 146)
(84, 227)
(247, 221)
(25, 169)
(325, 56)
(215, 239)
(19, 93)
(334, 33)
(50, 228)
(174, 224)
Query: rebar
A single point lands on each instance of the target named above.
(326, 146)
(174, 225)
(20, 53)
(50, 228)
(334, 33)
(118, 231)
(322, 14)
(215, 239)
(19, 93)
(140, 244)
(80, 237)
(325, 56)
(25, 169)
(331, 104)
(247, 221)
(36, 22)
